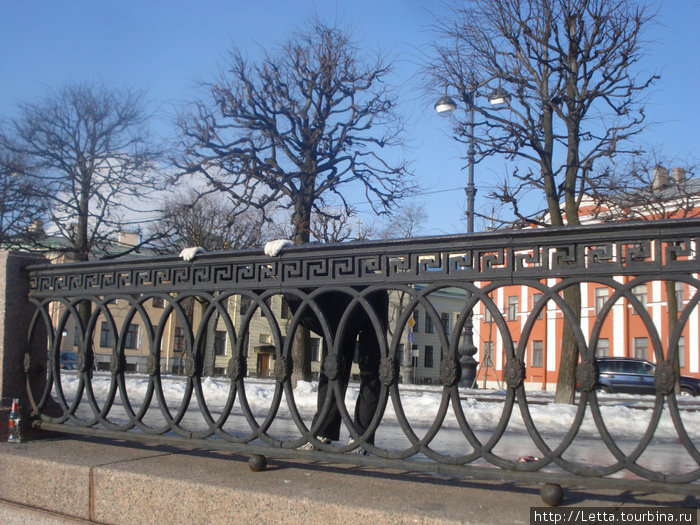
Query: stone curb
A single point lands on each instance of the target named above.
(114, 483)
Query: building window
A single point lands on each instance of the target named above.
(681, 351)
(132, 336)
(106, 336)
(158, 302)
(537, 354)
(640, 293)
(245, 304)
(641, 348)
(286, 313)
(488, 350)
(179, 339)
(315, 349)
(512, 312)
(268, 303)
(679, 295)
(536, 298)
(76, 336)
(429, 326)
(246, 344)
(602, 348)
(416, 319)
(428, 357)
(488, 318)
(220, 342)
(445, 320)
(601, 297)
(400, 352)
(414, 356)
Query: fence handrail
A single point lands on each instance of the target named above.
(478, 257)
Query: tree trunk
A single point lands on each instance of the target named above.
(301, 350)
(566, 381)
(672, 302)
(206, 345)
(301, 356)
(85, 353)
(189, 315)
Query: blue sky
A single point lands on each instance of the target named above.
(167, 47)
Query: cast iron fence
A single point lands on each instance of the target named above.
(234, 291)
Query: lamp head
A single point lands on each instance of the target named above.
(499, 96)
(445, 106)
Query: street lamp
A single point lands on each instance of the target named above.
(445, 107)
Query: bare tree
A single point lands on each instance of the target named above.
(22, 211)
(296, 129)
(338, 225)
(209, 222)
(406, 222)
(88, 155)
(567, 69)
(645, 190)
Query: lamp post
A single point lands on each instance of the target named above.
(445, 107)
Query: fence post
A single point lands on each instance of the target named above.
(15, 316)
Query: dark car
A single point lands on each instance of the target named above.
(635, 376)
(68, 361)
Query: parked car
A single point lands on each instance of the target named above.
(635, 376)
(68, 360)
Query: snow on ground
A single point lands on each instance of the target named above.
(420, 405)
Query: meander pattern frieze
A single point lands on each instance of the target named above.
(622, 251)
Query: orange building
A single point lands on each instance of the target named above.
(612, 324)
